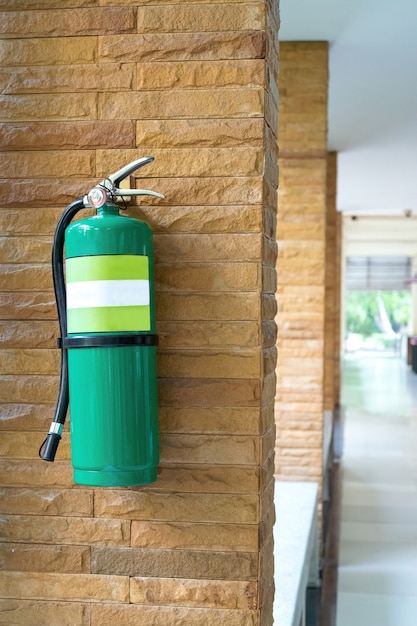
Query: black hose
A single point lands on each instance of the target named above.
(49, 447)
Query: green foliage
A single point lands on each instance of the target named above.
(363, 310)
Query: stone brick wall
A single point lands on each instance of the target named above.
(88, 86)
(301, 234)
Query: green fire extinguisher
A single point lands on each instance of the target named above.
(106, 308)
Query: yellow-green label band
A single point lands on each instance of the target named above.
(108, 293)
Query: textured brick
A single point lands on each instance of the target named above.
(44, 164)
(65, 530)
(23, 612)
(191, 592)
(67, 135)
(207, 191)
(184, 17)
(32, 474)
(76, 502)
(174, 563)
(28, 334)
(14, 416)
(184, 507)
(183, 162)
(209, 392)
(181, 104)
(62, 78)
(191, 536)
(43, 558)
(198, 364)
(175, 616)
(181, 47)
(44, 192)
(207, 277)
(208, 478)
(65, 586)
(27, 305)
(207, 334)
(208, 247)
(199, 133)
(79, 106)
(209, 306)
(23, 445)
(195, 74)
(57, 23)
(213, 449)
(35, 249)
(41, 51)
(240, 421)
(37, 389)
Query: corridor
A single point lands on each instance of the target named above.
(377, 576)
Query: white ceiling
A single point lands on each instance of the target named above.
(372, 96)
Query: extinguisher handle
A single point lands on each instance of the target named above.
(126, 171)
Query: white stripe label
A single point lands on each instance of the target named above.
(97, 293)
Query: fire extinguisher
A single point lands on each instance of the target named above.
(106, 310)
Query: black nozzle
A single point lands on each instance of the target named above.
(49, 447)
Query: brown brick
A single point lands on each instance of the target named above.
(209, 392)
(193, 593)
(205, 277)
(65, 586)
(41, 51)
(184, 162)
(63, 78)
(23, 557)
(209, 306)
(80, 106)
(181, 47)
(184, 17)
(213, 449)
(207, 334)
(239, 421)
(27, 305)
(14, 416)
(22, 277)
(200, 364)
(42, 192)
(22, 612)
(176, 616)
(206, 478)
(191, 536)
(45, 164)
(18, 250)
(67, 135)
(197, 74)
(28, 334)
(37, 389)
(206, 191)
(208, 247)
(22, 361)
(32, 473)
(65, 530)
(199, 133)
(184, 507)
(181, 104)
(23, 445)
(56, 23)
(174, 563)
(76, 502)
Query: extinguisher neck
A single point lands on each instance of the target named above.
(108, 209)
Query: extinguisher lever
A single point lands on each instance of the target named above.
(127, 170)
(108, 189)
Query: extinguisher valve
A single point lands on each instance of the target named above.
(108, 189)
(49, 447)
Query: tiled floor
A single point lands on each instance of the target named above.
(377, 576)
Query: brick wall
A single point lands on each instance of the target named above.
(89, 86)
(301, 234)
